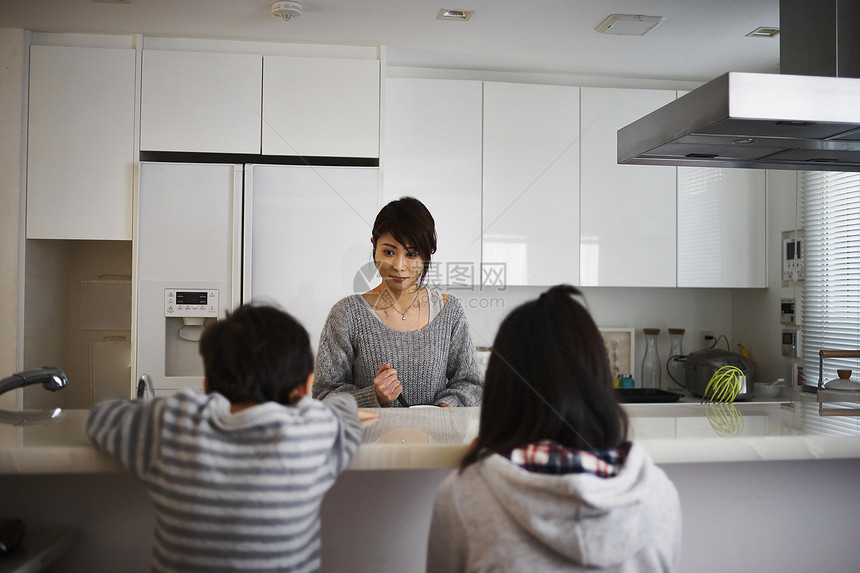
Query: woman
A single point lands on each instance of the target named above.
(551, 482)
(400, 344)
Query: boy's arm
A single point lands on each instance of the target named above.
(348, 437)
(126, 430)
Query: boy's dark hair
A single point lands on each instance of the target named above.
(548, 378)
(256, 354)
(411, 225)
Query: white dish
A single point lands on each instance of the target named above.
(843, 384)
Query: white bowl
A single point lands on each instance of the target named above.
(763, 390)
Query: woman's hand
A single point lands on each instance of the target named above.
(387, 385)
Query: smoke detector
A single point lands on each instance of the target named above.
(287, 10)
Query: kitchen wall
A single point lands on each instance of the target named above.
(746, 316)
(13, 62)
(638, 308)
(755, 312)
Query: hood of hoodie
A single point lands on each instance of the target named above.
(593, 521)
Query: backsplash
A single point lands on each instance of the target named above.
(637, 308)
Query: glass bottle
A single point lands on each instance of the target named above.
(651, 365)
(675, 367)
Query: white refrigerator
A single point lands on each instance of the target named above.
(307, 237)
(210, 236)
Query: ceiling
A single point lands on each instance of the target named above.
(697, 41)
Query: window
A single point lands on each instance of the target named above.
(831, 291)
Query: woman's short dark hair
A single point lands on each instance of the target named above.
(411, 225)
(256, 354)
(548, 378)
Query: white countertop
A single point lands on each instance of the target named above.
(685, 432)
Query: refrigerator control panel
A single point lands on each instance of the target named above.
(191, 302)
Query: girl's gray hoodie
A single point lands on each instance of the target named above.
(496, 516)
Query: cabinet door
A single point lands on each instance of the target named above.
(627, 235)
(722, 227)
(320, 107)
(203, 102)
(80, 152)
(432, 151)
(531, 184)
(309, 237)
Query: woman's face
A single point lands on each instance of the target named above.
(399, 266)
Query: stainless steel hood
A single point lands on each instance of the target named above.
(806, 118)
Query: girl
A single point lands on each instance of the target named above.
(551, 482)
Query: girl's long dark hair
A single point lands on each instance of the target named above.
(548, 378)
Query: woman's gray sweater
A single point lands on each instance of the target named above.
(435, 364)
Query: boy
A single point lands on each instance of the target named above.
(237, 472)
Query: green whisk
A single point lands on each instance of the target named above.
(725, 385)
(725, 419)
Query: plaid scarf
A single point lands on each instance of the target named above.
(549, 457)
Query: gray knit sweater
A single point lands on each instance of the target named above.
(435, 364)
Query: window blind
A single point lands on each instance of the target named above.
(830, 296)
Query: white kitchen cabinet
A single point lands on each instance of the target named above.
(432, 150)
(307, 237)
(80, 147)
(201, 102)
(320, 107)
(531, 184)
(627, 234)
(722, 229)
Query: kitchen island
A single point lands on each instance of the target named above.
(775, 472)
(435, 438)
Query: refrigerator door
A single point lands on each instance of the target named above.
(187, 264)
(307, 237)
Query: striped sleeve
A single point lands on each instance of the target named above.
(126, 430)
(345, 410)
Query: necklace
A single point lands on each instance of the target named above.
(403, 314)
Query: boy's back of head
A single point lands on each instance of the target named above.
(257, 354)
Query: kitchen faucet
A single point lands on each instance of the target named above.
(49, 377)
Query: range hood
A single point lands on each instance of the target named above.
(805, 118)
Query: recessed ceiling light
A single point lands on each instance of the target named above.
(628, 24)
(446, 14)
(763, 32)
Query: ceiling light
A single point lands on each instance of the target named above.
(287, 10)
(628, 24)
(763, 32)
(445, 14)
